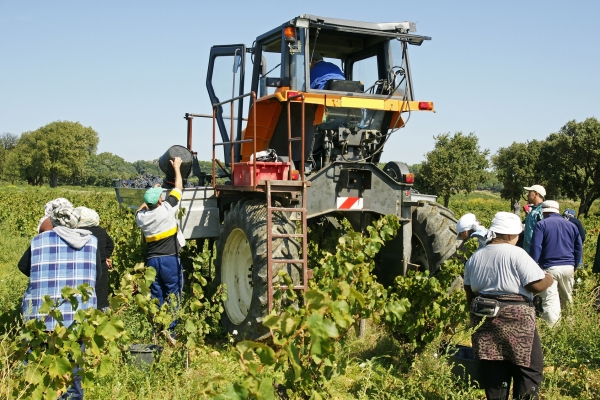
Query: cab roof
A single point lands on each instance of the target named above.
(337, 38)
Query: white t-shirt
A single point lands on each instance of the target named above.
(501, 269)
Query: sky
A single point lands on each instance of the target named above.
(506, 70)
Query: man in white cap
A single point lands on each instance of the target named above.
(468, 227)
(535, 196)
(556, 247)
(500, 280)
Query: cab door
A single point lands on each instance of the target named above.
(225, 81)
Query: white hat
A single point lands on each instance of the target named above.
(465, 223)
(506, 223)
(537, 188)
(550, 206)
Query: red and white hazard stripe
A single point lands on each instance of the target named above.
(349, 203)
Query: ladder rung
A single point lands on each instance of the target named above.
(287, 235)
(288, 261)
(287, 209)
(284, 287)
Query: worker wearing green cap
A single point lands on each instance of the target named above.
(158, 221)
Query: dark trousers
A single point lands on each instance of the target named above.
(526, 381)
(169, 279)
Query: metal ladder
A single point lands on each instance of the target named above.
(300, 188)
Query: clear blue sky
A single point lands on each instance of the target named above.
(505, 70)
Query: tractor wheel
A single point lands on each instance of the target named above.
(434, 236)
(433, 242)
(241, 265)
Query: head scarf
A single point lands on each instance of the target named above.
(64, 216)
(56, 203)
(87, 217)
(51, 205)
(506, 223)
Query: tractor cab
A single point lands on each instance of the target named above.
(347, 118)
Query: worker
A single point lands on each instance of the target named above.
(499, 282)
(62, 256)
(323, 71)
(90, 221)
(468, 227)
(535, 197)
(569, 214)
(158, 221)
(556, 247)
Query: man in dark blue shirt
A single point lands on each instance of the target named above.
(556, 247)
(322, 71)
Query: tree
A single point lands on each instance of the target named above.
(148, 167)
(58, 149)
(490, 182)
(515, 167)
(101, 169)
(455, 164)
(8, 141)
(570, 162)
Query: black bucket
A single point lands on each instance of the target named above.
(465, 365)
(144, 355)
(164, 162)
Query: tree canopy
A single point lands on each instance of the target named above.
(570, 161)
(515, 167)
(57, 149)
(8, 141)
(455, 164)
(101, 169)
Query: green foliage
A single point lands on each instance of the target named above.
(101, 169)
(432, 308)
(490, 182)
(52, 356)
(8, 141)
(309, 332)
(515, 168)
(570, 161)
(455, 164)
(57, 149)
(148, 167)
(315, 350)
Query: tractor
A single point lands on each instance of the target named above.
(295, 155)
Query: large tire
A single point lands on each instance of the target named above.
(434, 236)
(433, 242)
(241, 264)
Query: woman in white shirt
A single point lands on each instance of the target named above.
(500, 280)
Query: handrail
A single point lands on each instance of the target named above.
(233, 142)
(210, 116)
(302, 134)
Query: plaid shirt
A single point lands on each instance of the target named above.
(54, 264)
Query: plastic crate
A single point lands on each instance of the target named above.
(243, 173)
(465, 365)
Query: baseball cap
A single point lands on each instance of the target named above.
(317, 56)
(570, 211)
(550, 206)
(506, 223)
(152, 195)
(537, 188)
